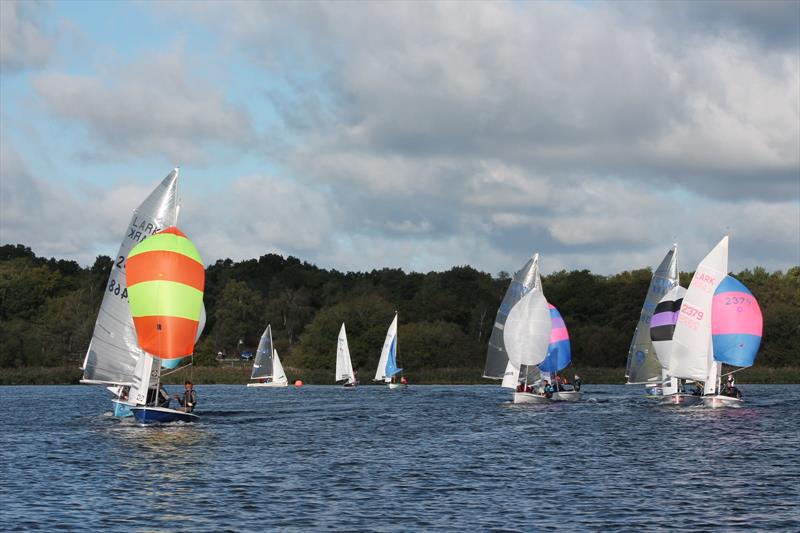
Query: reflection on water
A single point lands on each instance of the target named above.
(453, 458)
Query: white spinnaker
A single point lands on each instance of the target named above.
(692, 356)
(380, 373)
(279, 375)
(114, 351)
(344, 367)
(526, 333)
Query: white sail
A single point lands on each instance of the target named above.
(643, 365)
(522, 282)
(114, 351)
(671, 302)
(692, 356)
(344, 367)
(510, 377)
(388, 346)
(263, 362)
(279, 375)
(526, 333)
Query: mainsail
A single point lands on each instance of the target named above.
(113, 351)
(262, 364)
(344, 367)
(522, 282)
(692, 356)
(643, 365)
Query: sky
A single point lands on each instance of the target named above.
(413, 135)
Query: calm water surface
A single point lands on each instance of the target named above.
(430, 457)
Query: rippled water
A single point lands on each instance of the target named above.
(430, 457)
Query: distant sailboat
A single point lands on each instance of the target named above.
(166, 280)
(267, 368)
(720, 322)
(643, 366)
(387, 365)
(344, 366)
(114, 352)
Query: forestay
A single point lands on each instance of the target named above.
(522, 282)
(113, 351)
(643, 364)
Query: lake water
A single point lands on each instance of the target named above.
(427, 458)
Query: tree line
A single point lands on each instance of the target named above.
(48, 308)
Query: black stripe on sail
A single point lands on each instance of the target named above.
(668, 305)
(662, 333)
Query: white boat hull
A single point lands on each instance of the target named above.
(270, 384)
(529, 397)
(718, 401)
(567, 396)
(681, 398)
(393, 386)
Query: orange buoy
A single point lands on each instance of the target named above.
(298, 383)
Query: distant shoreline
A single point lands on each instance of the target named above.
(240, 375)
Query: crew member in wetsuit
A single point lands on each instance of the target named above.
(548, 389)
(576, 383)
(189, 399)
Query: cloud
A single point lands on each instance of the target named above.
(24, 41)
(150, 107)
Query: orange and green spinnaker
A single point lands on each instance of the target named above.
(166, 277)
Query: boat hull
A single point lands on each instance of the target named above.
(270, 384)
(681, 399)
(161, 415)
(393, 386)
(121, 409)
(529, 397)
(567, 396)
(718, 401)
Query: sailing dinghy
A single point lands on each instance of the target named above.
(643, 366)
(719, 323)
(387, 365)
(267, 368)
(344, 366)
(114, 352)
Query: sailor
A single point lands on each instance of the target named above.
(576, 383)
(403, 380)
(548, 389)
(162, 398)
(189, 399)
